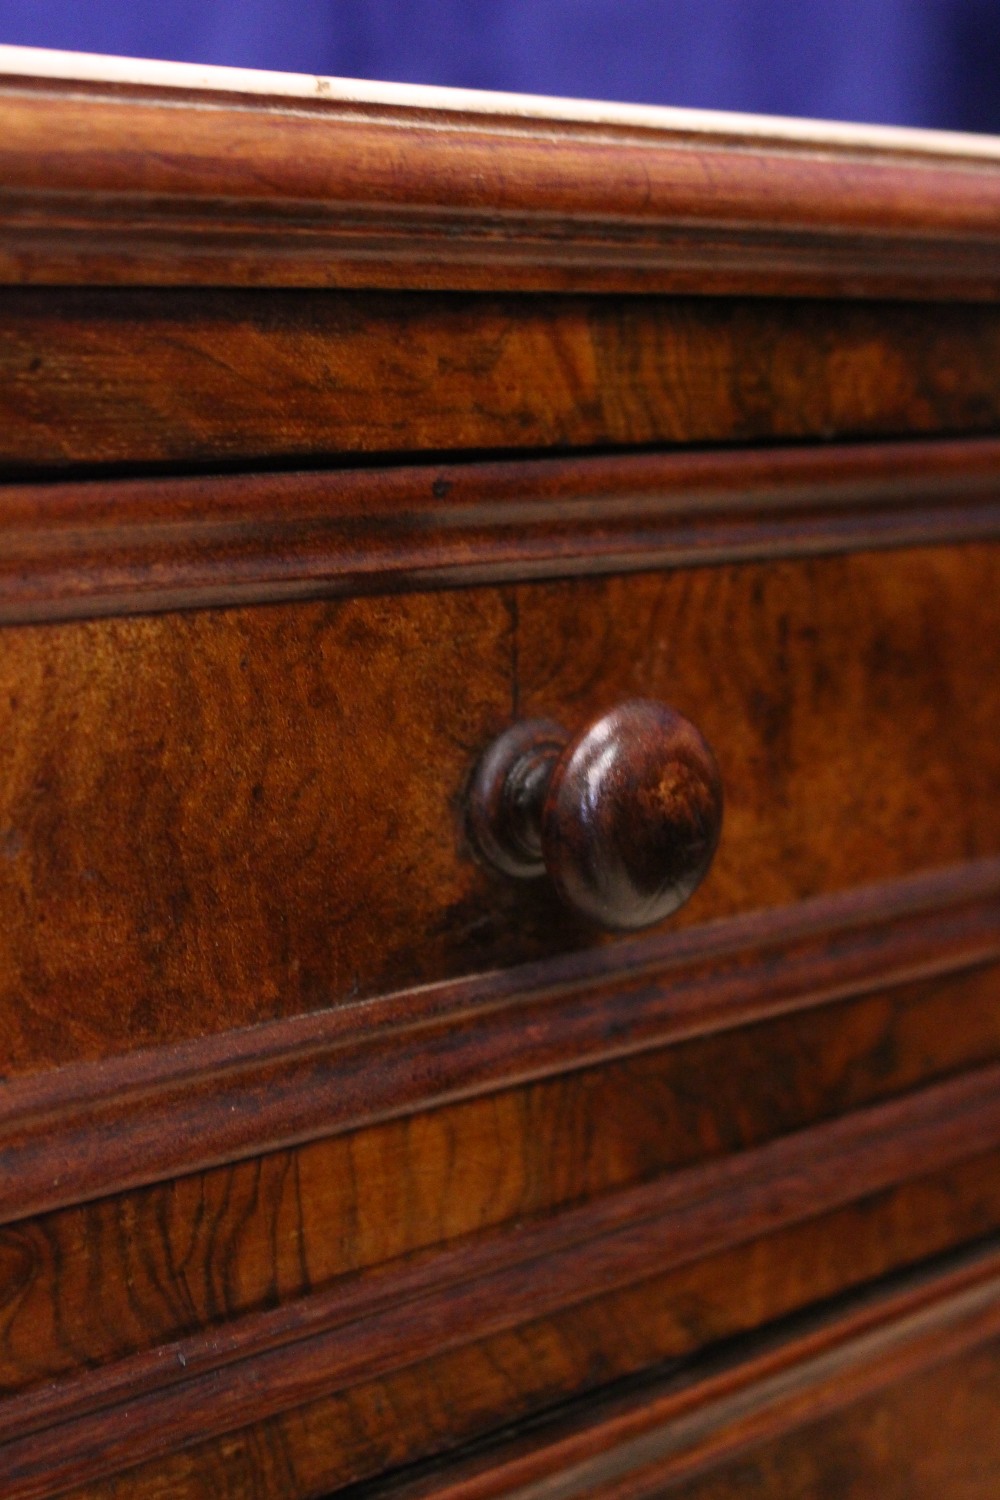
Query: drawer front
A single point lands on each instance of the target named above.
(894, 1393)
(221, 818)
(310, 1115)
(489, 1258)
(125, 376)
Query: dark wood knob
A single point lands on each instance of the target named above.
(625, 816)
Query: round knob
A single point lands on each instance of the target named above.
(625, 816)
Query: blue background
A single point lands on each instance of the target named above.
(914, 62)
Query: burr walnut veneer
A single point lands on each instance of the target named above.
(499, 797)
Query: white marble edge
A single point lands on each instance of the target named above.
(82, 67)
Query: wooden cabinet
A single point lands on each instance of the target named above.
(346, 428)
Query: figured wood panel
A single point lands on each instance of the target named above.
(765, 1401)
(127, 376)
(104, 1126)
(351, 1436)
(90, 1285)
(215, 819)
(272, 180)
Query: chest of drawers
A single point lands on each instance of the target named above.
(403, 1096)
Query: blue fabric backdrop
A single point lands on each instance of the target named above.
(922, 62)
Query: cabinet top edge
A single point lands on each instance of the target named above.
(117, 171)
(199, 81)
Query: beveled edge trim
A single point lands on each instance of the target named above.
(104, 547)
(97, 1128)
(671, 1430)
(189, 1390)
(341, 185)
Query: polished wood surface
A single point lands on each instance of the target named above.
(247, 1371)
(945, 1418)
(68, 1135)
(346, 1438)
(351, 430)
(218, 819)
(293, 1222)
(103, 376)
(326, 187)
(861, 1386)
(624, 817)
(134, 546)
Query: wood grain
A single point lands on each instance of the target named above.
(97, 1129)
(889, 1352)
(130, 376)
(138, 545)
(453, 1398)
(933, 1435)
(218, 819)
(92, 1284)
(229, 1377)
(322, 1151)
(270, 191)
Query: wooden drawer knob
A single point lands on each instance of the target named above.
(625, 816)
